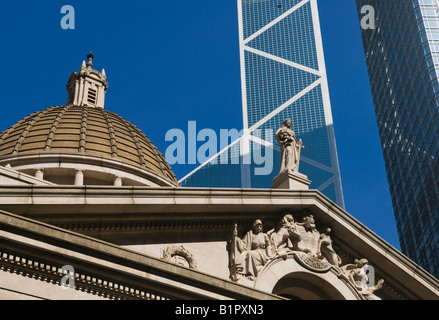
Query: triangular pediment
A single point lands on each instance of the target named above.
(193, 228)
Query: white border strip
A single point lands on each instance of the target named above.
(283, 61)
(327, 104)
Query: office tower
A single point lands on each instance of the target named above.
(401, 45)
(283, 75)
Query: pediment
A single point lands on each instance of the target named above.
(198, 224)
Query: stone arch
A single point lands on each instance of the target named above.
(288, 278)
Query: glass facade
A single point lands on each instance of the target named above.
(402, 55)
(283, 76)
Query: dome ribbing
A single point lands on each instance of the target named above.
(86, 131)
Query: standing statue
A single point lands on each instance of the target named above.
(290, 147)
(250, 254)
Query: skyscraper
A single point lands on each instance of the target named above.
(283, 75)
(401, 45)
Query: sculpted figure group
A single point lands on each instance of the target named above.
(302, 240)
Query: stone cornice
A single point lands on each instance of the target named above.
(185, 206)
(22, 238)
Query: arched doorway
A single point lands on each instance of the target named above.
(306, 286)
(289, 279)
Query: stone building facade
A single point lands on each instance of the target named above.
(90, 209)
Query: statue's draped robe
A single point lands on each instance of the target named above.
(253, 253)
(289, 148)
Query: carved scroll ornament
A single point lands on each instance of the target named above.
(179, 251)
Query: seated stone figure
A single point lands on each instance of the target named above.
(250, 254)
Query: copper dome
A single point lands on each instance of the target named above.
(83, 130)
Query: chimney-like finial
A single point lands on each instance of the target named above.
(90, 57)
(87, 87)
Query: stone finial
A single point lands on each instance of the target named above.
(88, 86)
(90, 58)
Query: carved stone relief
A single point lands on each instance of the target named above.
(302, 241)
(250, 254)
(179, 252)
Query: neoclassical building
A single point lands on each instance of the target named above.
(90, 209)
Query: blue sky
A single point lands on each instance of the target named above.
(170, 62)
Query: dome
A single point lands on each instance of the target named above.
(83, 144)
(84, 136)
